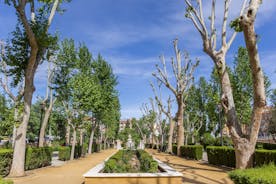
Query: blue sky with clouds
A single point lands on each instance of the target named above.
(132, 34)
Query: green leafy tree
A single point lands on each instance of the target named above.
(33, 33)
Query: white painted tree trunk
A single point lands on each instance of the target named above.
(68, 130)
(91, 141)
(73, 144)
(43, 127)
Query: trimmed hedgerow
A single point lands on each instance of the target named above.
(5, 161)
(192, 151)
(38, 157)
(221, 155)
(262, 157)
(4, 181)
(174, 149)
(120, 162)
(64, 153)
(262, 175)
(269, 146)
(148, 164)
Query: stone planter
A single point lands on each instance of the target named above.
(166, 176)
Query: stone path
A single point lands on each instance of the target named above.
(69, 173)
(194, 172)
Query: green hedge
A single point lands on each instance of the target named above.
(262, 175)
(148, 164)
(5, 161)
(221, 155)
(192, 151)
(95, 147)
(38, 157)
(269, 146)
(64, 153)
(2, 181)
(174, 149)
(262, 157)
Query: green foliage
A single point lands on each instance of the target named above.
(120, 162)
(5, 161)
(174, 149)
(242, 86)
(6, 117)
(262, 157)
(221, 155)
(63, 153)
(235, 24)
(192, 151)
(262, 175)
(123, 135)
(208, 140)
(5, 181)
(38, 157)
(269, 146)
(148, 164)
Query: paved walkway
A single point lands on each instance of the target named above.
(194, 171)
(69, 173)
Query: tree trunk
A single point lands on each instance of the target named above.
(91, 141)
(43, 127)
(73, 144)
(180, 133)
(170, 138)
(81, 137)
(68, 129)
(18, 162)
(244, 154)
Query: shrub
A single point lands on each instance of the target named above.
(95, 147)
(38, 157)
(148, 164)
(192, 151)
(262, 175)
(2, 181)
(208, 140)
(221, 155)
(269, 146)
(119, 163)
(64, 153)
(174, 149)
(5, 161)
(262, 157)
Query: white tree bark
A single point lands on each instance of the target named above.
(244, 144)
(183, 75)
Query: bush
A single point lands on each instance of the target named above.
(208, 140)
(192, 151)
(38, 157)
(2, 181)
(95, 147)
(64, 153)
(5, 161)
(221, 155)
(269, 146)
(174, 149)
(262, 175)
(148, 164)
(262, 157)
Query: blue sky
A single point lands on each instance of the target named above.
(132, 34)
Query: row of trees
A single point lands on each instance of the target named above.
(240, 92)
(80, 90)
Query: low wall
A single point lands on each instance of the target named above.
(169, 176)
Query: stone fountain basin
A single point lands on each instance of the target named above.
(167, 176)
